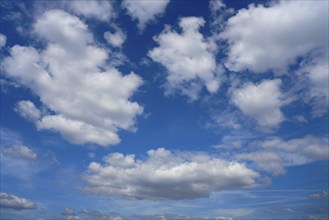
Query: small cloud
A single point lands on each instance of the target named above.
(116, 38)
(234, 212)
(315, 196)
(3, 40)
(91, 155)
(20, 151)
(10, 201)
(144, 11)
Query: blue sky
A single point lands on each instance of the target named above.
(164, 110)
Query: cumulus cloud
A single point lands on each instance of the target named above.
(144, 11)
(260, 101)
(10, 201)
(3, 40)
(101, 10)
(274, 154)
(117, 38)
(20, 151)
(165, 175)
(188, 58)
(271, 38)
(88, 101)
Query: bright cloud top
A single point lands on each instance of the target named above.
(260, 101)
(165, 175)
(188, 57)
(144, 11)
(11, 201)
(271, 38)
(88, 101)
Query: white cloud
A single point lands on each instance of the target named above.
(101, 10)
(87, 99)
(310, 147)
(3, 40)
(11, 201)
(188, 57)
(271, 38)
(268, 161)
(165, 175)
(20, 151)
(28, 110)
(316, 71)
(260, 101)
(274, 154)
(144, 11)
(116, 39)
(219, 13)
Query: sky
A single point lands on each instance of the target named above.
(164, 109)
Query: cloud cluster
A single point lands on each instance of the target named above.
(10, 201)
(144, 11)
(188, 58)
(165, 175)
(87, 100)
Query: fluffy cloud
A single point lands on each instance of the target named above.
(188, 57)
(144, 11)
(274, 153)
(3, 40)
(165, 175)
(271, 38)
(11, 201)
(87, 99)
(28, 110)
(20, 151)
(260, 101)
(101, 10)
(116, 39)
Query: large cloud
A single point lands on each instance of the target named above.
(144, 11)
(271, 38)
(11, 201)
(88, 100)
(260, 101)
(188, 57)
(165, 175)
